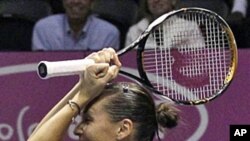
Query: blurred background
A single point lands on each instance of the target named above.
(25, 98)
(18, 17)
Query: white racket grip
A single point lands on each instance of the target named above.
(47, 69)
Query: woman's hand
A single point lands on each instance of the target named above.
(96, 76)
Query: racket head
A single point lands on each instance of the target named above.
(189, 56)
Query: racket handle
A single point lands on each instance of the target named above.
(47, 69)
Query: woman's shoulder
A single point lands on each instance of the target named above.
(140, 26)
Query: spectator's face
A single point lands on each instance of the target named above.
(77, 9)
(159, 7)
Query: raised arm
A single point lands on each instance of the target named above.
(58, 106)
(54, 125)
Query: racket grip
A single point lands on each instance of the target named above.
(47, 69)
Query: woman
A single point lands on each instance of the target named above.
(152, 10)
(110, 111)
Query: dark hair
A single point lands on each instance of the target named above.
(144, 9)
(132, 101)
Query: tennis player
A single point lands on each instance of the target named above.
(121, 111)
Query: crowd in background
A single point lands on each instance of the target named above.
(110, 22)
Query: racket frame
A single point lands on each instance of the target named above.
(233, 49)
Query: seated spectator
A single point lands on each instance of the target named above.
(237, 19)
(240, 7)
(193, 34)
(153, 9)
(77, 29)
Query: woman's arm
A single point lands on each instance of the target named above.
(54, 125)
(58, 106)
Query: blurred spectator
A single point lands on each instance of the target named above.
(77, 29)
(173, 35)
(238, 19)
(240, 7)
(153, 9)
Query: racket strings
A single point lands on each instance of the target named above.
(187, 57)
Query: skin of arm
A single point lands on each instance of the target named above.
(58, 106)
(54, 125)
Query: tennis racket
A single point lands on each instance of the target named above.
(188, 56)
